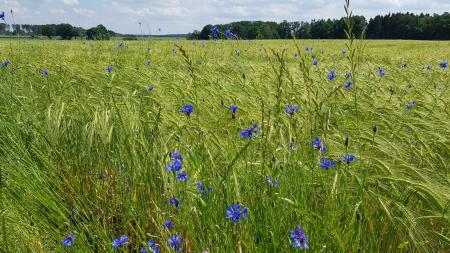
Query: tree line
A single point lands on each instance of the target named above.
(62, 31)
(390, 26)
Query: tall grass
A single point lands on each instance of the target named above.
(84, 151)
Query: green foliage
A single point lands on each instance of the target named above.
(99, 142)
(98, 33)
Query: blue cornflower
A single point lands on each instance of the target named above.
(269, 182)
(315, 63)
(348, 84)
(327, 163)
(5, 64)
(214, 31)
(349, 158)
(307, 49)
(44, 73)
(443, 64)
(229, 34)
(299, 239)
(149, 62)
(331, 76)
(405, 65)
(348, 75)
(168, 224)
(182, 176)
(148, 49)
(233, 108)
(176, 156)
(411, 105)
(319, 145)
(143, 250)
(235, 213)
(175, 242)
(174, 166)
(291, 109)
(174, 202)
(109, 69)
(250, 132)
(276, 183)
(201, 188)
(68, 241)
(313, 56)
(2, 15)
(187, 109)
(344, 52)
(150, 88)
(117, 242)
(381, 72)
(120, 44)
(154, 246)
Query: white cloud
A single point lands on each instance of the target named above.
(71, 2)
(84, 12)
(57, 11)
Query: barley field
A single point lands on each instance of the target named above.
(224, 146)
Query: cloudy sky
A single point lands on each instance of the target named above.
(182, 16)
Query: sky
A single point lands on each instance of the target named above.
(183, 16)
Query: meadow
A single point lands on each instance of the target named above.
(224, 146)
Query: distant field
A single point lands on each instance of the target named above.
(86, 150)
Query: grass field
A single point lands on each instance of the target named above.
(85, 153)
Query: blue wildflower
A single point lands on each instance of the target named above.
(233, 108)
(174, 166)
(175, 242)
(381, 72)
(154, 246)
(68, 241)
(411, 105)
(187, 109)
(269, 182)
(109, 69)
(143, 250)
(344, 52)
(331, 76)
(250, 132)
(148, 49)
(276, 183)
(2, 15)
(44, 73)
(299, 239)
(307, 49)
(176, 156)
(150, 88)
(405, 65)
(319, 145)
(443, 64)
(229, 34)
(168, 224)
(117, 242)
(315, 63)
(313, 56)
(200, 187)
(5, 64)
(174, 202)
(214, 31)
(348, 84)
(291, 109)
(182, 176)
(236, 212)
(327, 163)
(348, 75)
(149, 62)
(349, 158)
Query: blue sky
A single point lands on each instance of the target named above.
(182, 16)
